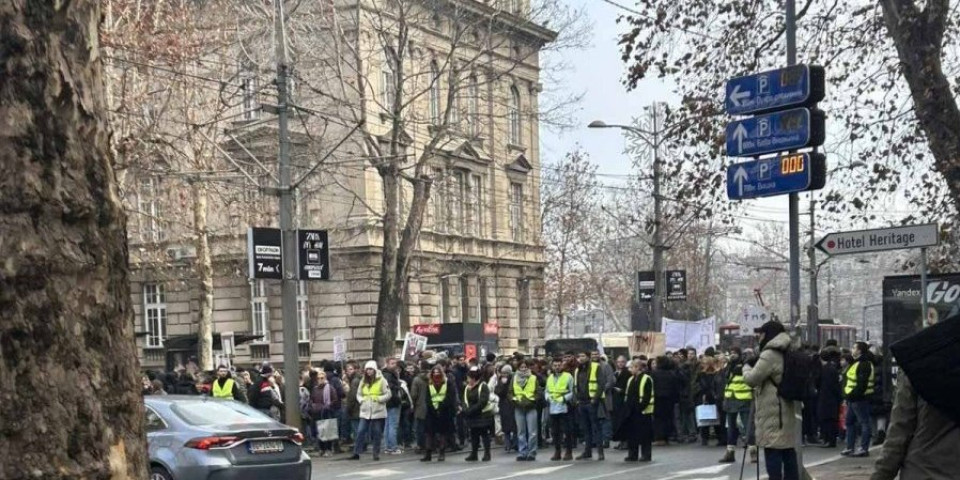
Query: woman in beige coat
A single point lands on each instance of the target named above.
(776, 419)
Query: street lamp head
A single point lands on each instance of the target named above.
(597, 124)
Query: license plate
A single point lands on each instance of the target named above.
(266, 447)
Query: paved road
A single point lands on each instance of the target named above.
(669, 463)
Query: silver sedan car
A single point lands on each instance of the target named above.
(202, 438)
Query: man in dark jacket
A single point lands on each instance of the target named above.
(591, 388)
(225, 386)
(829, 395)
(419, 396)
(859, 386)
(668, 386)
(620, 389)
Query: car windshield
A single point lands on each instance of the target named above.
(207, 412)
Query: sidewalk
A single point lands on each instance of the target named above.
(844, 468)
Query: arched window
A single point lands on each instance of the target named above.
(388, 78)
(434, 93)
(473, 113)
(513, 113)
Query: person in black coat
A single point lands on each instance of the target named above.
(667, 393)
(441, 413)
(636, 426)
(709, 391)
(620, 385)
(829, 396)
(477, 414)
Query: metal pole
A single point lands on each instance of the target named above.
(813, 310)
(288, 291)
(863, 333)
(658, 279)
(923, 285)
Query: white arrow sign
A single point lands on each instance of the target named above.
(736, 95)
(740, 176)
(881, 239)
(740, 133)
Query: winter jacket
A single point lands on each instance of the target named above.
(474, 415)
(865, 369)
(709, 391)
(352, 404)
(420, 396)
(830, 394)
(376, 408)
(394, 382)
(921, 441)
(776, 419)
(731, 404)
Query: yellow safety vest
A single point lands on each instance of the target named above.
(643, 384)
(223, 392)
(528, 391)
(466, 401)
(437, 397)
(557, 386)
(851, 383)
(592, 382)
(372, 391)
(738, 389)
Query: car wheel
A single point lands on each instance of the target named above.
(159, 473)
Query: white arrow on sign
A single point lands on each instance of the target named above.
(736, 95)
(740, 133)
(740, 176)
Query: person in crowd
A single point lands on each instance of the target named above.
(352, 406)
(539, 371)
(669, 387)
(492, 380)
(592, 385)
(829, 395)
(526, 390)
(606, 403)
(186, 384)
(420, 396)
(879, 408)
(639, 407)
(622, 375)
(373, 393)
(559, 394)
(505, 406)
(440, 413)
(405, 436)
(859, 386)
(709, 391)
(737, 402)
(225, 386)
(146, 385)
(324, 403)
(684, 426)
(776, 419)
(391, 375)
(156, 388)
(477, 414)
(263, 396)
(458, 367)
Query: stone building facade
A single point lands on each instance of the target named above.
(479, 257)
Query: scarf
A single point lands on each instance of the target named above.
(325, 388)
(522, 377)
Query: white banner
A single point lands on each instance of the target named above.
(339, 349)
(680, 334)
(413, 344)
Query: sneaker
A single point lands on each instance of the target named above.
(395, 452)
(860, 454)
(846, 452)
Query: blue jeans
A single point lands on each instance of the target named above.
(527, 426)
(373, 428)
(733, 430)
(345, 425)
(858, 414)
(392, 429)
(590, 426)
(781, 463)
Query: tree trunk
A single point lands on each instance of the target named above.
(918, 36)
(388, 302)
(205, 276)
(70, 402)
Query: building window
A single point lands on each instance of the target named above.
(249, 87)
(475, 205)
(261, 311)
(465, 301)
(513, 113)
(435, 93)
(303, 312)
(260, 352)
(151, 226)
(388, 78)
(516, 211)
(439, 201)
(457, 193)
(444, 301)
(483, 306)
(523, 307)
(473, 107)
(155, 313)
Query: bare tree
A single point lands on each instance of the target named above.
(64, 296)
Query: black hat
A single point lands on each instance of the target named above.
(266, 370)
(769, 330)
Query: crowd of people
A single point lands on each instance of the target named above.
(439, 404)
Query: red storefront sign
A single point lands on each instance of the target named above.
(426, 330)
(491, 329)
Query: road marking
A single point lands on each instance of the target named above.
(619, 472)
(382, 472)
(465, 470)
(706, 470)
(535, 471)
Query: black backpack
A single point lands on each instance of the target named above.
(799, 376)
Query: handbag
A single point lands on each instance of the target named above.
(328, 430)
(707, 416)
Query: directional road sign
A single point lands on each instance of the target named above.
(265, 253)
(797, 85)
(881, 239)
(775, 132)
(795, 172)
